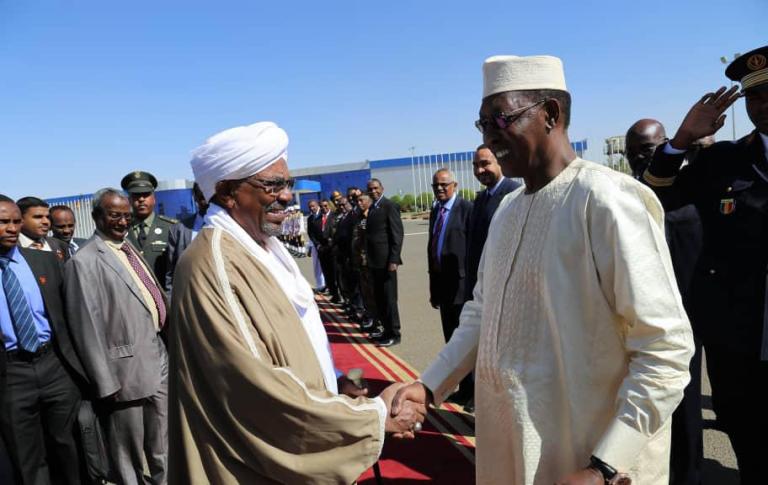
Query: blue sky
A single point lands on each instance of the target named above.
(92, 90)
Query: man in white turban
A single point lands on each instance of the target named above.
(576, 331)
(254, 395)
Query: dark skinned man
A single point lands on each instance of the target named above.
(36, 219)
(149, 230)
(728, 184)
(181, 235)
(63, 226)
(684, 237)
(577, 335)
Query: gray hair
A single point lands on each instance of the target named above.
(444, 170)
(100, 194)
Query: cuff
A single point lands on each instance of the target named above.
(670, 150)
(620, 446)
(381, 408)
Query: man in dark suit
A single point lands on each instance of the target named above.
(342, 248)
(39, 398)
(149, 230)
(120, 310)
(63, 226)
(321, 230)
(313, 234)
(488, 172)
(182, 233)
(446, 254)
(36, 222)
(384, 242)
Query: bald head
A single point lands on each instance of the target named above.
(641, 141)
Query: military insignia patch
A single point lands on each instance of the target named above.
(158, 231)
(727, 206)
(43, 280)
(756, 62)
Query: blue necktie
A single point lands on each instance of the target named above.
(21, 314)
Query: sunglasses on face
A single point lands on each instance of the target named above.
(272, 186)
(503, 120)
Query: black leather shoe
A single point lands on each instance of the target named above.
(469, 407)
(387, 342)
(377, 333)
(367, 324)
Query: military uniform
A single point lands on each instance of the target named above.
(150, 235)
(728, 184)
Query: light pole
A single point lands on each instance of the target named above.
(413, 173)
(725, 60)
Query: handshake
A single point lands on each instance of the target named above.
(406, 403)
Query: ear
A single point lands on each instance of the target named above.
(225, 194)
(553, 113)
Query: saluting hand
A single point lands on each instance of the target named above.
(705, 117)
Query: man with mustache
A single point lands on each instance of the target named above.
(728, 184)
(118, 311)
(149, 231)
(254, 395)
(577, 335)
(63, 228)
(36, 218)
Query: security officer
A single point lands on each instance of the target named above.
(728, 184)
(149, 231)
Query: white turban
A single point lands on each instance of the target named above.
(513, 73)
(238, 153)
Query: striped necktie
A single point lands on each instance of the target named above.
(149, 283)
(21, 313)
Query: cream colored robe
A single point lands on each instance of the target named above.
(237, 418)
(578, 333)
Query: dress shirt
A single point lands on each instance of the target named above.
(27, 280)
(117, 250)
(441, 237)
(136, 228)
(26, 242)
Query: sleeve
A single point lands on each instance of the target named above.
(674, 186)
(395, 234)
(84, 316)
(457, 359)
(263, 414)
(635, 272)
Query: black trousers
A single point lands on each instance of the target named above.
(328, 265)
(740, 399)
(385, 294)
(687, 450)
(449, 317)
(39, 411)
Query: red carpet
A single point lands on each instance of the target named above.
(444, 452)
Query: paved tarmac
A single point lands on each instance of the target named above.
(422, 339)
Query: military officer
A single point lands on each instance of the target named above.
(149, 231)
(728, 184)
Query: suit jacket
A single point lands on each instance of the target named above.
(323, 236)
(447, 279)
(314, 223)
(48, 274)
(114, 332)
(156, 245)
(479, 221)
(179, 237)
(384, 234)
(342, 237)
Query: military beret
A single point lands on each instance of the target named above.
(750, 69)
(139, 182)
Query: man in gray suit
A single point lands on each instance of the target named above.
(118, 310)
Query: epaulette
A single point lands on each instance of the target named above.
(169, 220)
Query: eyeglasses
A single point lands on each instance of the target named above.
(444, 185)
(272, 186)
(504, 120)
(118, 216)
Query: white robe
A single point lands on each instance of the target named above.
(577, 331)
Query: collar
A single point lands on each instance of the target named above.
(148, 221)
(26, 241)
(109, 242)
(12, 255)
(492, 190)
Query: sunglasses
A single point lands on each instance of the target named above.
(272, 186)
(503, 120)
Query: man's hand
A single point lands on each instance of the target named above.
(705, 117)
(415, 392)
(348, 388)
(409, 413)
(392, 267)
(587, 476)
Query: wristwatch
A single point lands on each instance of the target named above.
(610, 474)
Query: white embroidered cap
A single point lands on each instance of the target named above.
(514, 73)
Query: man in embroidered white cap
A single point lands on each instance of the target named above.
(253, 392)
(576, 332)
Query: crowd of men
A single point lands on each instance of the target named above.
(574, 309)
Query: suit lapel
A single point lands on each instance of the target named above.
(111, 260)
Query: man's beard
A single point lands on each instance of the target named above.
(269, 228)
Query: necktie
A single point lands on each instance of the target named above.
(149, 283)
(21, 313)
(37, 245)
(436, 235)
(322, 226)
(142, 234)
